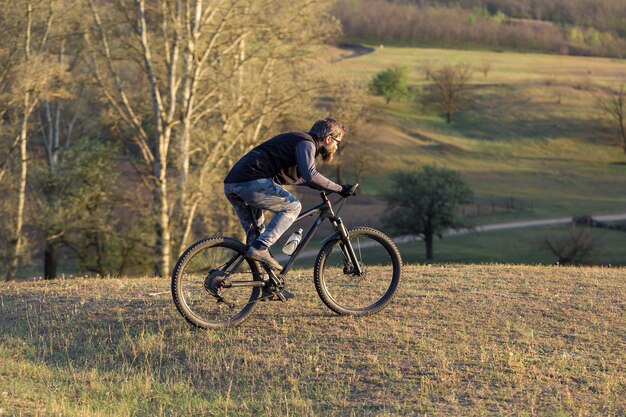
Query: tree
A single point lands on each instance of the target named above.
(426, 203)
(193, 82)
(60, 119)
(448, 90)
(392, 84)
(427, 68)
(575, 247)
(100, 223)
(485, 67)
(26, 76)
(357, 152)
(612, 104)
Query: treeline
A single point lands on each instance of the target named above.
(118, 120)
(604, 15)
(493, 24)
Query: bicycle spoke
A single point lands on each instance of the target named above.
(344, 289)
(205, 297)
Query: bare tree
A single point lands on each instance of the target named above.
(485, 67)
(174, 29)
(448, 90)
(575, 247)
(364, 155)
(59, 125)
(200, 80)
(428, 65)
(612, 103)
(348, 104)
(29, 76)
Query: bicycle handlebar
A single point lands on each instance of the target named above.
(352, 190)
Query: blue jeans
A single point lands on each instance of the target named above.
(249, 199)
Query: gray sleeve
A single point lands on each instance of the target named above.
(305, 157)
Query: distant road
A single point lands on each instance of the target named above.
(514, 225)
(483, 228)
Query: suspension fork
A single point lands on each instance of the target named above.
(346, 245)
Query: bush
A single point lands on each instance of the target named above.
(392, 84)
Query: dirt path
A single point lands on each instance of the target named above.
(353, 51)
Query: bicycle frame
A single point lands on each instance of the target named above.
(325, 211)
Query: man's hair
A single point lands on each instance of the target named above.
(327, 126)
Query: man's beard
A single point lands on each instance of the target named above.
(327, 156)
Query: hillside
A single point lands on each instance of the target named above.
(531, 142)
(532, 128)
(457, 340)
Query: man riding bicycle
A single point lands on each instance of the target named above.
(254, 183)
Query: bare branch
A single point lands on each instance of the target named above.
(126, 110)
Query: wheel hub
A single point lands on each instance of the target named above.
(349, 270)
(214, 281)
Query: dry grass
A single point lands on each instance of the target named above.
(457, 340)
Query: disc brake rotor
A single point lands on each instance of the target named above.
(214, 281)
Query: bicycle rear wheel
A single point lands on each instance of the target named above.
(342, 289)
(201, 279)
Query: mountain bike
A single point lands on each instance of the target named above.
(357, 272)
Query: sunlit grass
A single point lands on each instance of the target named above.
(457, 340)
(507, 67)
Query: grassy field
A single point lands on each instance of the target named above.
(524, 245)
(457, 340)
(531, 130)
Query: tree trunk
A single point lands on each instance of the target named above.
(162, 226)
(50, 261)
(448, 117)
(622, 130)
(21, 196)
(428, 239)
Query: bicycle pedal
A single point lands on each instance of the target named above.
(286, 295)
(277, 280)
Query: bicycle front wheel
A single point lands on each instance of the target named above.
(202, 279)
(348, 293)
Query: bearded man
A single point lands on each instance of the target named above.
(255, 182)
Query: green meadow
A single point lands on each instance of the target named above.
(531, 129)
(523, 245)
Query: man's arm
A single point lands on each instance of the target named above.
(305, 157)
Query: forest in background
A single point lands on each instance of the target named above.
(119, 119)
(576, 27)
(601, 14)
